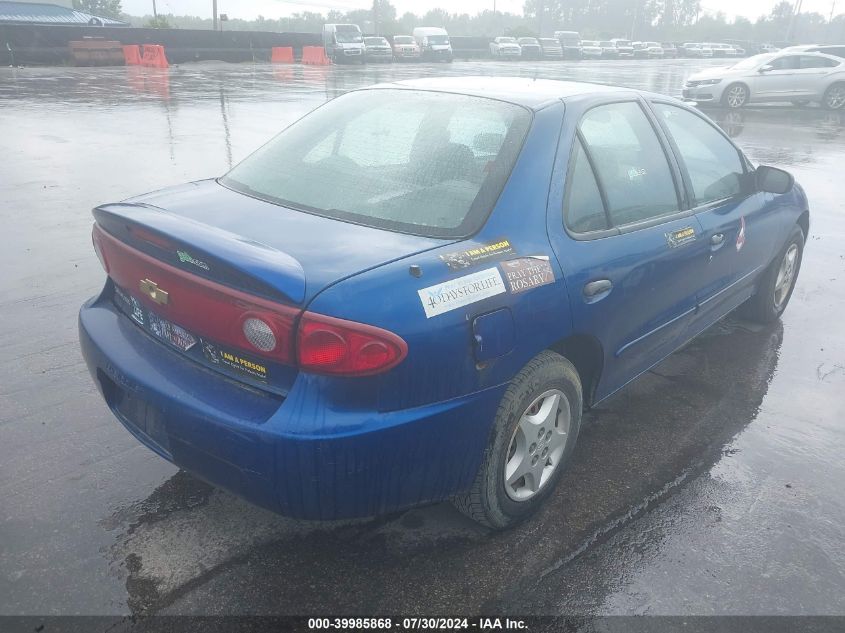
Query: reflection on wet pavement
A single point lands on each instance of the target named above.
(710, 485)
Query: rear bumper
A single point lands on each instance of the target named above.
(292, 455)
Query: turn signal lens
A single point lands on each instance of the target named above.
(335, 346)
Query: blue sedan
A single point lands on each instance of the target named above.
(411, 294)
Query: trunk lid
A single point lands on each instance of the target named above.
(293, 254)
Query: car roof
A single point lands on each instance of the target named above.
(524, 91)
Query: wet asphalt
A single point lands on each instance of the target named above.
(714, 484)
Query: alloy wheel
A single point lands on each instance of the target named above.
(835, 97)
(786, 276)
(736, 97)
(537, 445)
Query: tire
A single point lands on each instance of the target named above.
(546, 380)
(772, 297)
(735, 96)
(834, 97)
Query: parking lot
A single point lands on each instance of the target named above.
(711, 485)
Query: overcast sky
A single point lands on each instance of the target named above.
(249, 9)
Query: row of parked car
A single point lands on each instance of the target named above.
(569, 44)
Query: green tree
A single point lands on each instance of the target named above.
(158, 22)
(101, 8)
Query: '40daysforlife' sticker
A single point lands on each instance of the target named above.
(456, 293)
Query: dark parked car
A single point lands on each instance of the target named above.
(551, 48)
(411, 294)
(531, 48)
(570, 41)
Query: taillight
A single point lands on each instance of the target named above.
(98, 249)
(221, 314)
(335, 346)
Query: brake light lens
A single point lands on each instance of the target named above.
(339, 347)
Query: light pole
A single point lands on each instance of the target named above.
(155, 13)
(214, 13)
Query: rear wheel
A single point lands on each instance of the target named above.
(777, 283)
(533, 438)
(834, 97)
(735, 96)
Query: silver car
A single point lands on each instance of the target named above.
(377, 49)
(505, 48)
(797, 77)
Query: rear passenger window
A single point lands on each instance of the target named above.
(631, 166)
(817, 62)
(714, 165)
(584, 209)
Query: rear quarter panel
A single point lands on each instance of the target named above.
(441, 364)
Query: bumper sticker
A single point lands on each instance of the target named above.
(464, 259)
(463, 291)
(680, 237)
(220, 356)
(526, 273)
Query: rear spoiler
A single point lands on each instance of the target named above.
(205, 250)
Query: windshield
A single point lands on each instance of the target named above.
(606, 44)
(403, 39)
(752, 62)
(426, 163)
(527, 41)
(375, 41)
(550, 42)
(348, 37)
(587, 43)
(625, 43)
(507, 40)
(438, 39)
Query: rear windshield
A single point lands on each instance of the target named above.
(418, 162)
(403, 39)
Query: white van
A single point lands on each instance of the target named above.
(343, 42)
(434, 43)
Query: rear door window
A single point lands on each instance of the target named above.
(583, 208)
(808, 61)
(714, 165)
(631, 165)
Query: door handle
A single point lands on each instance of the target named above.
(598, 287)
(717, 239)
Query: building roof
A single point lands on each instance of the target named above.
(531, 93)
(38, 13)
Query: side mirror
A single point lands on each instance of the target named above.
(773, 180)
(765, 69)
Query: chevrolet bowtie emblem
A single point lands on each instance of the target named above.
(151, 289)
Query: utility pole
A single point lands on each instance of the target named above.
(795, 11)
(155, 13)
(214, 12)
(540, 10)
